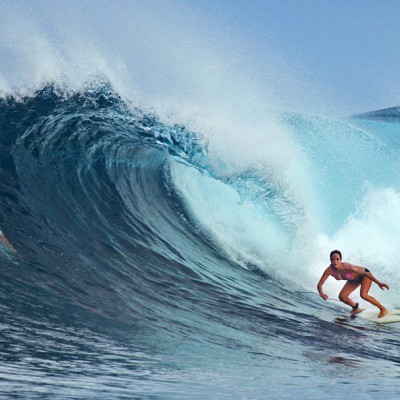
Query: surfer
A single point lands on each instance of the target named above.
(355, 276)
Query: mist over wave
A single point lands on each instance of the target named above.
(157, 54)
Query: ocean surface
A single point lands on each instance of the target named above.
(154, 263)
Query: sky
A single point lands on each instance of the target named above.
(350, 48)
(321, 57)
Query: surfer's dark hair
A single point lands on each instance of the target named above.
(335, 252)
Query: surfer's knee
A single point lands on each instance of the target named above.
(342, 297)
(365, 296)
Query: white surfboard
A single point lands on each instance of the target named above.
(372, 314)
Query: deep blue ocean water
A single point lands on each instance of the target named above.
(154, 265)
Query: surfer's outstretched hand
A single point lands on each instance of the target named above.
(383, 286)
(324, 296)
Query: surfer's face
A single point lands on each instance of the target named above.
(335, 259)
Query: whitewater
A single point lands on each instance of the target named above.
(170, 238)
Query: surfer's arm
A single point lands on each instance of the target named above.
(324, 277)
(365, 272)
(369, 275)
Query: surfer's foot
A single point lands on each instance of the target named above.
(356, 311)
(383, 313)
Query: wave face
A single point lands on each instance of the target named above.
(154, 264)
